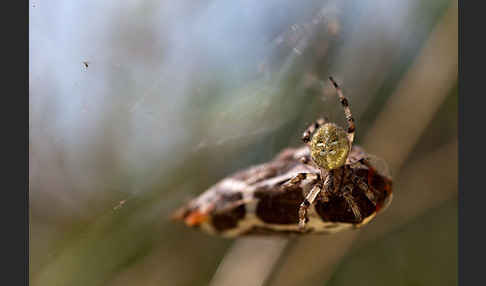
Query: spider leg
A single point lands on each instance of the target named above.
(295, 180)
(309, 199)
(351, 203)
(365, 188)
(305, 159)
(306, 136)
(329, 182)
(371, 170)
(347, 111)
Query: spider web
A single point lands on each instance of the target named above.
(119, 108)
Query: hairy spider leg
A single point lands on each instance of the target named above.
(309, 199)
(366, 188)
(319, 188)
(347, 111)
(306, 136)
(347, 193)
(296, 180)
(350, 201)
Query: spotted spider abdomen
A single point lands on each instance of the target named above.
(330, 146)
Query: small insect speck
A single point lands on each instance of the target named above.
(119, 205)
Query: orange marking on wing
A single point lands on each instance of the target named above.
(196, 218)
(388, 187)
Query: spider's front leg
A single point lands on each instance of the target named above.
(306, 136)
(311, 197)
(295, 180)
(347, 111)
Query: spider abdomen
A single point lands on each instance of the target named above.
(330, 146)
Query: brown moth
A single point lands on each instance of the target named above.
(325, 186)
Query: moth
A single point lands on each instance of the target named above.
(325, 186)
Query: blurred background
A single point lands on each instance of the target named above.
(138, 106)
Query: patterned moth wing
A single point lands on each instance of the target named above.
(259, 200)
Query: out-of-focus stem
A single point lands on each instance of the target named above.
(249, 261)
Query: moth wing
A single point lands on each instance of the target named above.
(380, 165)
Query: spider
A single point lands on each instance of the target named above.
(328, 173)
(330, 146)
